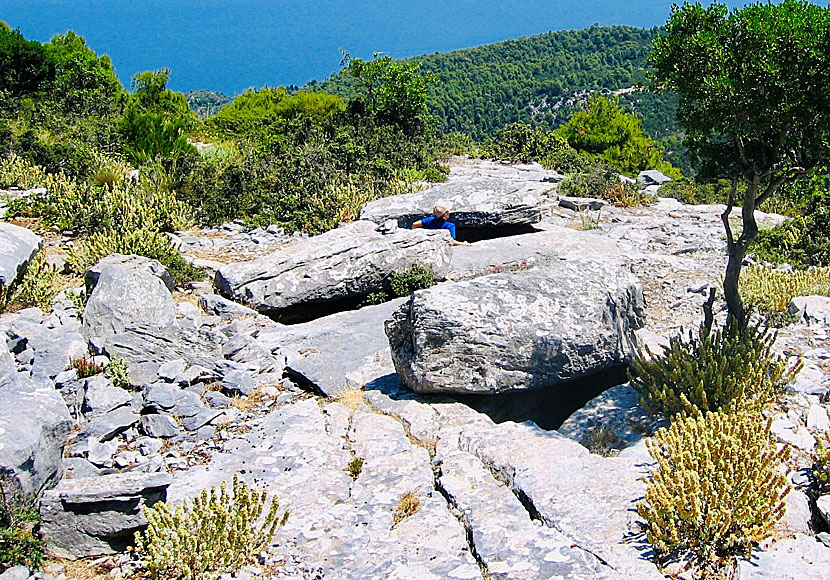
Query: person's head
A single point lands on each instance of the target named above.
(442, 209)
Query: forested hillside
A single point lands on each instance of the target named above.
(538, 79)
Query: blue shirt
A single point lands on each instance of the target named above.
(434, 223)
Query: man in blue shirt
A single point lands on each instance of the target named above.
(439, 221)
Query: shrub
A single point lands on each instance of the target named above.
(217, 532)
(716, 489)
(406, 506)
(118, 373)
(709, 371)
(19, 518)
(519, 142)
(416, 278)
(821, 466)
(142, 242)
(603, 182)
(695, 192)
(355, 467)
(17, 172)
(38, 286)
(772, 290)
(86, 367)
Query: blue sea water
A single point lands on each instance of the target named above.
(231, 45)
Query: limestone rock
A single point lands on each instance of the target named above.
(347, 263)
(123, 291)
(100, 396)
(17, 246)
(323, 352)
(484, 202)
(652, 177)
(815, 309)
(129, 263)
(34, 424)
(99, 515)
(523, 330)
(798, 558)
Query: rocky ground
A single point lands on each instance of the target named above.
(217, 389)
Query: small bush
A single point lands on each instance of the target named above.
(772, 290)
(38, 287)
(406, 506)
(821, 466)
(118, 373)
(355, 467)
(142, 242)
(519, 142)
(17, 172)
(416, 278)
(709, 371)
(604, 183)
(19, 518)
(717, 489)
(217, 532)
(694, 192)
(86, 367)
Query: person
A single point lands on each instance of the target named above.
(439, 220)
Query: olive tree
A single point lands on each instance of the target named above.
(754, 99)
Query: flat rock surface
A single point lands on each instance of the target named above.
(324, 352)
(347, 263)
(482, 202)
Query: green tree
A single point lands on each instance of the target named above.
(393, 91)
(754, 97)
(24, 65)
(156, 120)
(604, 130)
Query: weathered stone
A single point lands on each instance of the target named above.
(217, 399)
(17, 246)
(246, 349)
(15, 573)
(100, 396)
(101, 454)
(160, 396)
(77, 467)
(523, 330)
(97, 516)
(347, 263)
(322, 353)
(652, 177)
(122, 293)
(157, 425)
(129, 263)
(171, 369)
(487, 202)
(106, 426)
(581, 203)
(798, 558)
(146, 347)
(200, 419)
(238, 383)
(814, 309)
(34, 424)
(222, 307)
(823, 506)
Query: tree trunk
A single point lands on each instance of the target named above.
(737, 252)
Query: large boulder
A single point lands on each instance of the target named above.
(34, 424)
(94, 516)
(124, 290)
(485, 202)
(17, 246)
(344, 264)
(521, 330)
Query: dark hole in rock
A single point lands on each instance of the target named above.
(548, 407)
(469, 234)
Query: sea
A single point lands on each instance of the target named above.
(232, 45)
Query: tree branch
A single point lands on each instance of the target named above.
(730, 239)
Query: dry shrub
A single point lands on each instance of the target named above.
(717, 489)
(772, 290)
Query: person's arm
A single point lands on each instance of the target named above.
(457, 243)
(417, 224)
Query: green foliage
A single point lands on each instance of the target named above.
(38, 286)
(258, 112)
(710, 371)
(772, 290)
(523, 143)
(86, 367)
(394, 92)
(19, 518)
(698, 192)
(118, 373)
(142, 241)
(17, 172)
(24, 65)
(753, 90)
(402, 285)
(603, 182)
(217, 532)
(821, 465)
(355, 467)
(206, 103)
(603, 130)
(718, 488)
